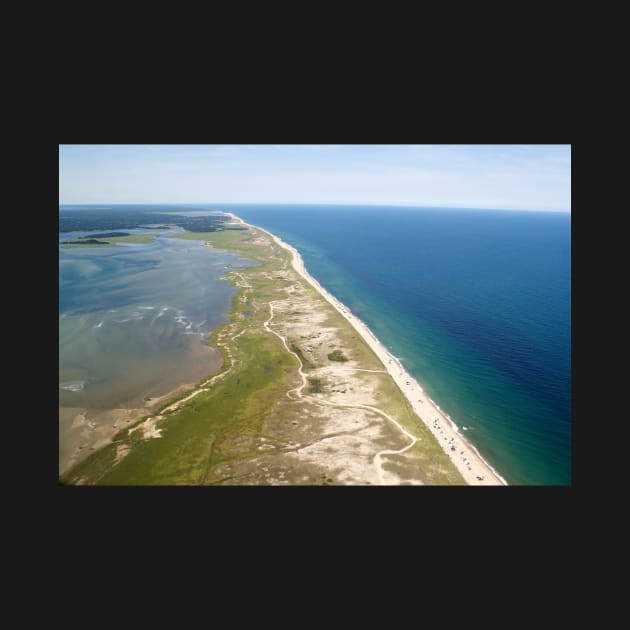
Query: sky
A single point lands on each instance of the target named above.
(511, 177)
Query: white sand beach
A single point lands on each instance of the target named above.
(474, 469)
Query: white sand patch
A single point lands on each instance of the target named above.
(148, 428)
(121, 451)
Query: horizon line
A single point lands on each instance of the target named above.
(297, 203)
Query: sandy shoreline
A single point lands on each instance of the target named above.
(474, 469)
(87, 433)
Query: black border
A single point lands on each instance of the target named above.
(393, 117)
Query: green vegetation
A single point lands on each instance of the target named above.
(135, 238)
(87, 243)
(241, 242)
(90, 241)
(351, 340)
(306, 364)
(203, 433)
(315, 386)
(126, 218)
(195, 236)
(337, 355)
(108, 234)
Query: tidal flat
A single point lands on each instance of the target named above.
(134, 322)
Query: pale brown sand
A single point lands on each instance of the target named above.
(465, 456)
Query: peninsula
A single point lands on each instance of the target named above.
(306, 395)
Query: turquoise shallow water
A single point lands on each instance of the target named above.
(477, 305)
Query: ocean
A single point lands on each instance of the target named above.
(475, 303)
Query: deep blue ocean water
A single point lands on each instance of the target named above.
(476, 304)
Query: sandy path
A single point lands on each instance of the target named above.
(466, 458)
(325, 403)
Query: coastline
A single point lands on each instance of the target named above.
(98, 430)
(465, 457)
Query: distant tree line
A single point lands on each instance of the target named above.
(86, 241)
(109, 234)
(88, 220)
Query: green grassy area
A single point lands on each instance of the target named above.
(337, 355)
(201, 434)
(238, 241)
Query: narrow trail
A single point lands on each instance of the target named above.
(298, 395)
